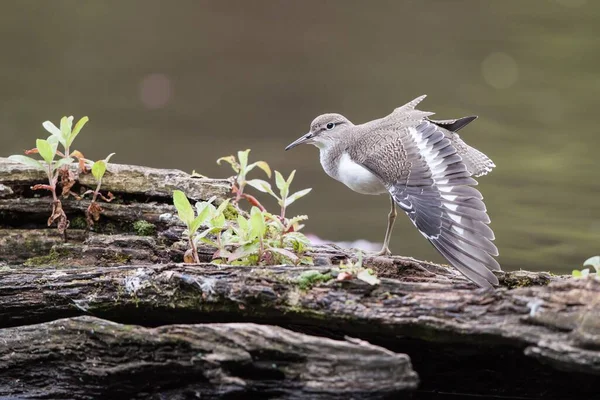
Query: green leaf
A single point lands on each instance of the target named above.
(196, 223)
(593, 262)
(199, 237)
(244, 251)
(242, 223)
(45, 149)
(50, 127)
(576, 273)
(279, 181)
(77, 129)
(296, 196)
(296, 240)
(286, 253)
(291, 178)
(218, 221)
(366, 276)
(296, 219)
(262, 186)
(65, 127)
(229, 237)
(283, 185)
(222, 207)
(99, 169)
(231, 161)
(264, 166)
(243, 159)
(277, 224)
(183, 206)
(257, 224)
(206, 207)
(61, 162)
(54, 140)
(28, 161)
(204, 212)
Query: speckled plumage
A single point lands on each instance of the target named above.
(428, 171)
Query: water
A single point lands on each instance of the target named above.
(179, 86)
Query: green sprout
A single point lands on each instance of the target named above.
(255, 236)
(241, 167)
(47, 150)
(593, 262)
(65, 136)
(93, 211)
(356, 270)
(258, 237)
(186, 214)
(216, 223)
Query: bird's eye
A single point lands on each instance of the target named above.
(330, 126)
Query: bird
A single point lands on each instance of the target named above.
(428, 172)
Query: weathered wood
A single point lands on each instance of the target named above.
(120, 178)
(87, 357)
(39, 208)
(556, 324)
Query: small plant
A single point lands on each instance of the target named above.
(55, 170)
(193, 222)
(47, 150)
(356, 270)
(258, 237)
(593, 262)
(65, 136)
(241, 167)
(214, 219)
(94, 209)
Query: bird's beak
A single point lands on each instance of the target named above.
(301, 140)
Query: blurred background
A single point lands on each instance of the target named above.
(179, 84)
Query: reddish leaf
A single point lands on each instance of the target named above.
(59, 216)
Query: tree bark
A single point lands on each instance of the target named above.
(87, 357)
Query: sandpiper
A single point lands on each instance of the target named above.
(426, 169)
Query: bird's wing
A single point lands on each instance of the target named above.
(428, 179)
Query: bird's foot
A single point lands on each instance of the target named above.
(384, 252)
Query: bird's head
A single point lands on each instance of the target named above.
(323, 130)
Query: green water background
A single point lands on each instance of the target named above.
(177, 84)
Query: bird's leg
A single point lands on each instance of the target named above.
(385, 251)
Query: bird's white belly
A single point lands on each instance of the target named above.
(357, 177)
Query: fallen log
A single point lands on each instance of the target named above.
(537, 336)
(437, 323)
(86, 357)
